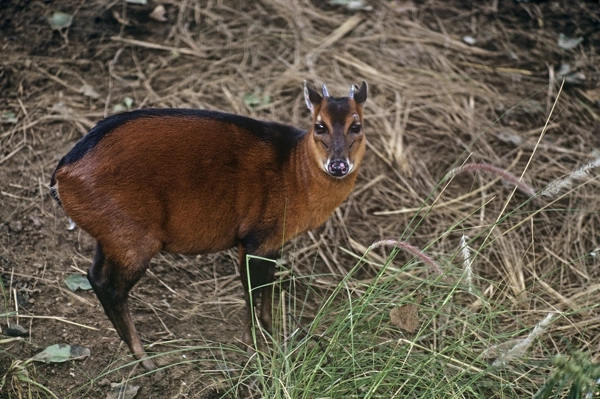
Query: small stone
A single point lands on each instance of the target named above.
(122, 391)
(470, 40)
(104, 382)
(509, 137)
(36, 221)
(16, 226)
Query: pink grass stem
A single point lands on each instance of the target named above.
(502, 173)
(414, 251)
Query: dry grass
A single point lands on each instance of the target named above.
(435, 103)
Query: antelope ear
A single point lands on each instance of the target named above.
(311, 98)
(359, 96)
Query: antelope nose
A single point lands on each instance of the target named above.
(338, 168)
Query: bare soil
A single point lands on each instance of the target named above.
(434, 103)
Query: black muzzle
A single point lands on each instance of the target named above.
(338, 168)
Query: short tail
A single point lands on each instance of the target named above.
(54, 194)
(54, 189)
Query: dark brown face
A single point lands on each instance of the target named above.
(337, 131)
(338, 135)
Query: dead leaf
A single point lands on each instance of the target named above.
(509, 137)
(568, 43)
(406, 316)
(404, 6)
(15, 330)
(59, 353)
(120, 20)
(159, 13)
(77, 281)
(575, 78)
(593, 96)
(352, 5)
(8, 117)
(88, 91)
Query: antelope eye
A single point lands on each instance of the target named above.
(355, 129)
(320, 128)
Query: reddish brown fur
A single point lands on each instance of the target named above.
(194, 185)
(167, 206)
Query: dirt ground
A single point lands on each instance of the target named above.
(435, 101)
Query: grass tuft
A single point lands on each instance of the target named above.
(575, 373)
(520, 346)
(467, 261)
(564, 183)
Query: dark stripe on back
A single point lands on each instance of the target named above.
(282, 137)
